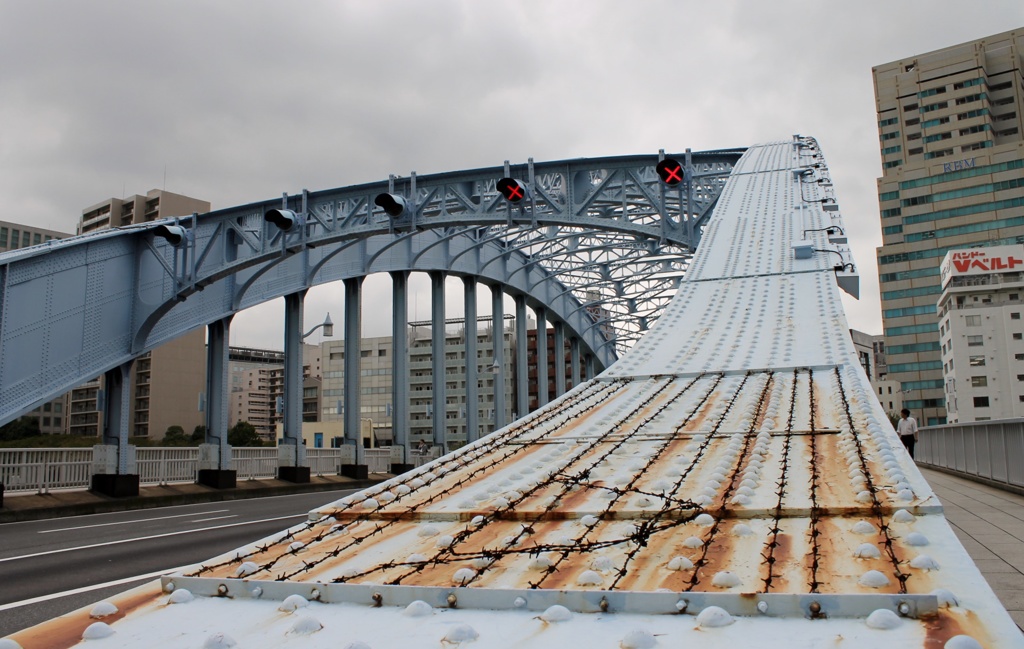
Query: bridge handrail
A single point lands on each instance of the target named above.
(992, 451)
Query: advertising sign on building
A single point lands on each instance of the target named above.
(981, 261)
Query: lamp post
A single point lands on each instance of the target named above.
(327, 326)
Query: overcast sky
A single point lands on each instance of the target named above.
(235, 102)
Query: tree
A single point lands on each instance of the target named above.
(244, 434)
(175, 436)
(199, 434)
(19, 429)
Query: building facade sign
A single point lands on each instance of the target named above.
(981, 261)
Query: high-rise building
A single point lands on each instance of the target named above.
(950, 127)
(168, 382)
(981, 329)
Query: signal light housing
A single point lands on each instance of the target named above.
(172, 234)
(393, 204)
(283, 219)
(512, 190)
(670, 172)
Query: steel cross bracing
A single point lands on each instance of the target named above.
(600, 242)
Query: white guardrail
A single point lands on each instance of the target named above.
(991, 450)
(42, 470)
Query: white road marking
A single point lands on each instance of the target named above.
(154, 536)
(213, 518)
(86, 589)
(137, 520)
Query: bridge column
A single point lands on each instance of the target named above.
(215, 453)
(559, 359)
(353, 378)
(292, 464)
(437, 332)
(574, 353)
(400, 371)
(113, 465)
(498, 344)
(522, 362)
(542, 356)
(472, 363)
(590, 366)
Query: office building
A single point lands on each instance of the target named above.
(18, 235)
(981, 333)
(949, 126)
(376, 380)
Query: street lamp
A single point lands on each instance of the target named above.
(327, 325)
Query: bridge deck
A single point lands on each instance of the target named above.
(990, 524)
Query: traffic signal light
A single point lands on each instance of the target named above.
(513, 190)
(284, 219)
(393, 204)
(172, 234)
(670, 172)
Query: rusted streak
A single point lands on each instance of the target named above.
(947, 624)
(66, 630)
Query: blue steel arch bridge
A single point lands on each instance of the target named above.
(729, 480)
(596, 246)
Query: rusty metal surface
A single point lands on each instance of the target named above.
(621, 484)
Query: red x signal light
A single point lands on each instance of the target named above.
(512, 190)
(670, 172)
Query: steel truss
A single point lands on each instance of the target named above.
(601, 243)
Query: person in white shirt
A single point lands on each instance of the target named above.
(907, 430)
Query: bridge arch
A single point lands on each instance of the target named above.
(594, 231)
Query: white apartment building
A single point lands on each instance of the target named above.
(981, 333)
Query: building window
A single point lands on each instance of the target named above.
(976, 361)
(979, 381)
(1018, 336)
(1018, 357)
(975, 341)
(981, 402)
(972, 320)
(365, 353)
(1014, 316)
(382, 352)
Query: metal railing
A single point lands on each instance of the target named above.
(254, 463)
(40, 470)
(166, 465)
(325, 461)
(378, 460)
(43, 470)
(990, 450)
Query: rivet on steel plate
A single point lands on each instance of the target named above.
(453, 601)
(904, 608)
(222, 590)
(604, 604)
(762, 606)
(315, 594)
(815, 609)
(378, 600)
(681, 605)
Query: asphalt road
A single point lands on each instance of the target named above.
(51, 567)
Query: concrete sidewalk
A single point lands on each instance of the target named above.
(56, 504)
(990, 523)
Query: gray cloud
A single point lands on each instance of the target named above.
(240, 101)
